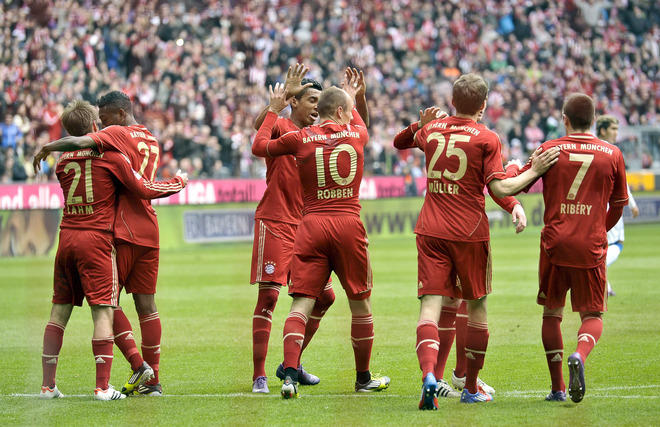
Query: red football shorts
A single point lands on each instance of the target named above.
(272, 251)
(85, 266)
(331, 243)
(588, 286)
(138, 268)
(453, 269)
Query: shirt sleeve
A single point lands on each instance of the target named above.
(121, 168)
(406, 137)
(106, 139)
(263, 146)
(492, 162)
(357, 119)
(619, 195)
(631, 199)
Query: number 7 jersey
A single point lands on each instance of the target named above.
(136, 220)
(462, 157)
(589, 174)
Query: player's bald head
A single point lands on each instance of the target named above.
(332, 98)
(469, 93)
(580, 110)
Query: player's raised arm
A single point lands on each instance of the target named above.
(406, 137)
(263, 146)
(541, 161)
(140, 186)
(68, 143)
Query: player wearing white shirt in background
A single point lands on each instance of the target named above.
(607, 129)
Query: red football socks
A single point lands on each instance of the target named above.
(124, 339)
(446, 333)
(261, 324)
(554, 350)
(476, 343)
(102, 349)
(293, 337)
(427, 346)
(588, 335)
(151, 331)
(362, 338)
(461, 332)
(321, 306)
(53, 336)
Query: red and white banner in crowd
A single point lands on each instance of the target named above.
(202, 192)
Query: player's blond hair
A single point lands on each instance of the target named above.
(469, 93)
(604, 122)
(78, 117)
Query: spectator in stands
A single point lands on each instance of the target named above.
(208, 62)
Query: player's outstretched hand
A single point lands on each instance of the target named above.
(430, 114)
(278, 97)
(353, 83)
(519, 218)
(183, 176)
(543, 160)
(41, 155)
(294, 79)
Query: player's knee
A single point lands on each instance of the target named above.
(327, 299)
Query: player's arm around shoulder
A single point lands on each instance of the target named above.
(145, 189)
(68, 143)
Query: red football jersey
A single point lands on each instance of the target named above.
(330, 160)
(282, 200)
(405, 139)
(136, 219)
(589, 174)
(462, 157)
(89, 180)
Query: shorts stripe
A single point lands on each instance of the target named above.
(260, 250)
(114, 301)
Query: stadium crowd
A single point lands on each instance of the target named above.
(198, 71)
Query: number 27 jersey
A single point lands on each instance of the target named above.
(136, 220)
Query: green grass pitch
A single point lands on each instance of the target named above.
(206, 308)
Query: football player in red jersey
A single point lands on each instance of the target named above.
(276, 219)
(462, 156)
(589, 176)
(136, 231)
(331, 236)
(85, 264)
(453, 316)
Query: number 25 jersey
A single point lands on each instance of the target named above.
(462, 157)
(136, 220)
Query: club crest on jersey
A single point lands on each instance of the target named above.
(269, 267)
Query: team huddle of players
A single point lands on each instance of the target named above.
(308, 225)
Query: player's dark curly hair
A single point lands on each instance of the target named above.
(116, 100)
(315, 85)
